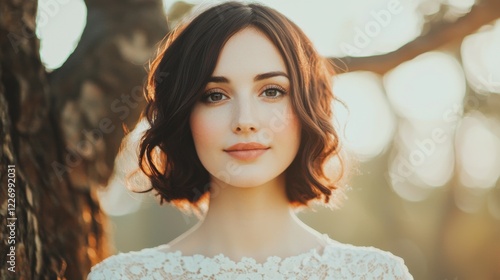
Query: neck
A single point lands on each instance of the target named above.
(250, 221)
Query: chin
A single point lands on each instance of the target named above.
(251, 179)
(247, 183)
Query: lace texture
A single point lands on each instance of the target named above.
(337, 261)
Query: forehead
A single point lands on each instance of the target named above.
(249, 52)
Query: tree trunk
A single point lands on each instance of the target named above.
(57, 140)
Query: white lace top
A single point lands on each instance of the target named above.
(337, 261)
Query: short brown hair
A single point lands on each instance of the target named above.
(181, 71)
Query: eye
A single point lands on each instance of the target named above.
(273, 92)
(213, 97)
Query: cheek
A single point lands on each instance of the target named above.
(288, 127)
(199, 127)
(294, 131)
(204, 129)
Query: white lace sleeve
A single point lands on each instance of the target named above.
(399, 269)
(128, 266)
(384, 265)
(110, 268)
(352, 262)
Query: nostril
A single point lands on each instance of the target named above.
(245, 128)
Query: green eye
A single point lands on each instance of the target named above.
(273, 92)
(213, 97)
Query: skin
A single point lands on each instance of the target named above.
(249, 214)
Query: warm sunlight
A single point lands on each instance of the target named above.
(410, 166)
(367, 124)
(429, 88)
(478, 144)
(59, 27)
(358, 28)
(481, 59)
(428, 94)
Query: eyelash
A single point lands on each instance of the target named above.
(206, 96)
(275, 87)
(209, 93)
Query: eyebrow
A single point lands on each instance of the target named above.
(263, 76)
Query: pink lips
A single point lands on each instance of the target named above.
(246, 151)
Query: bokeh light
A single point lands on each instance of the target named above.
(427, 93)
(122, 196)
(427, 149)
(364, 27)
(366, 123)
(59, 26)
(464, 5)
(478, 151)
(427, 88)
(481, 59)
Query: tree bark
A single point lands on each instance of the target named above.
(100, 87)
(51, 150)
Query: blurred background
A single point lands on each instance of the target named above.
(421, 80)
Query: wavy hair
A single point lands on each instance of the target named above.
(181, 71)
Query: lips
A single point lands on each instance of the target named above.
(247, 151)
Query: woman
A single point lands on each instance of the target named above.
(239, 106)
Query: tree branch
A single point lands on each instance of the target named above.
(439, 35)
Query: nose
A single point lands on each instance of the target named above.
(245, 119)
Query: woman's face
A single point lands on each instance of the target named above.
(244, 129)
